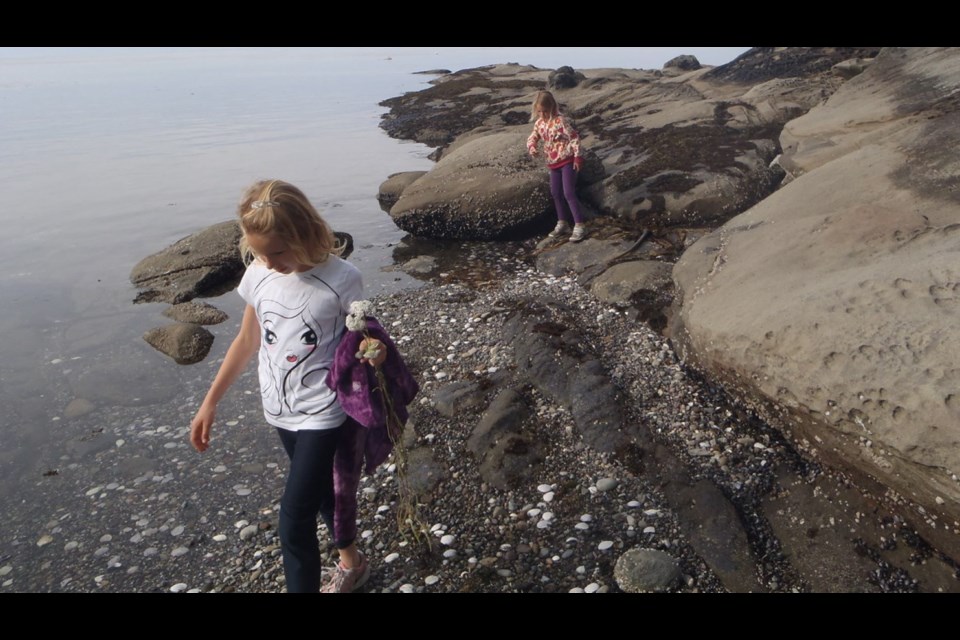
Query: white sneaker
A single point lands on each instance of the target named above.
(579, 233)
(562, 229)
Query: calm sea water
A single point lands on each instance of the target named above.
(108, 155)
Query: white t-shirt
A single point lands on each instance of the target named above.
(301, 318)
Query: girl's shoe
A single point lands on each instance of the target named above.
(579, 233)
(345, 580)
(562, 229)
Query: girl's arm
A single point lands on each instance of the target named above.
(532, 140)
(241, 349)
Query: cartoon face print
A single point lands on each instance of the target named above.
(295, 383)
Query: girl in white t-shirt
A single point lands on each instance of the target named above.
(298, 294)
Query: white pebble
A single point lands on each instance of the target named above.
(70, 546)
(606, 544)
(176, 531)
(581, 569)
(450, 553)
(649, 530)
(391, 558)
(633, 504)
(5, 570)
(586, 518)
(543, 524)
(548, 496)
(431, 580)
(447, 540)
(575, 590)
(179, 551)
(382, 508)
(219, 537)
(440, 375)
(44, 540)
(591, 588)
(219, 468)
(547, 515)
(406, 588)
(177, 588)
(120, 442)
(543, 488)
(533, 513)
(240, 524)
(581, 526)
(366, 534)
(243, 492)
(106, 537)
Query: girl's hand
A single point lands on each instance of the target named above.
(577, 163)
(200, 428)
(533, 151)
(370, 346)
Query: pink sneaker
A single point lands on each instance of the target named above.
(343, 580)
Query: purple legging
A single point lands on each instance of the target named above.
(563, 188)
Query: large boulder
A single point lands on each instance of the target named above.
(836, 301)
(487, 188)
(203, 264)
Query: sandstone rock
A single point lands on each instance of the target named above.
(195, 313)
(185, 343)
(391, 188)
(623, 283)
(485, 189)
(837, 306)
(78, 407)
(683, 149)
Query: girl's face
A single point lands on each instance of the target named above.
(275, 253)
(544, 113)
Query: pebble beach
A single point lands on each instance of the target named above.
(147, 513)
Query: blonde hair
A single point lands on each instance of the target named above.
(277, 208)
(544, 100)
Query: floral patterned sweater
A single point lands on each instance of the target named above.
(561, 142)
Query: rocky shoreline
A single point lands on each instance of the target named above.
(560, 441)
(707, 498)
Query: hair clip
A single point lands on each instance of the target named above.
(259, 204)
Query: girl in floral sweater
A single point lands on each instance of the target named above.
(561, 146)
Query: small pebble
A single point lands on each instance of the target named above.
(177, 588)
(606, 544)
(429, 580)
(391, 557)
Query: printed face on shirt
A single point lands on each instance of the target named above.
(275, 253)
(288, 338)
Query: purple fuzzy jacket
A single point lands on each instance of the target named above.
(358, 390)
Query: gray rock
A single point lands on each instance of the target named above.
(643, 570)
(185, 343)
(834, 308)
(606, 484)
(683, 62)
(391, 189)
(204, 264)
(627, 282)
(459, 396)
(484, 189)
(195, 313)
(564, 78)
(508, 456)
(670, 151)
(78, 407)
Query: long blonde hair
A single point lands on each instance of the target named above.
(275, 207)
(544, 100)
